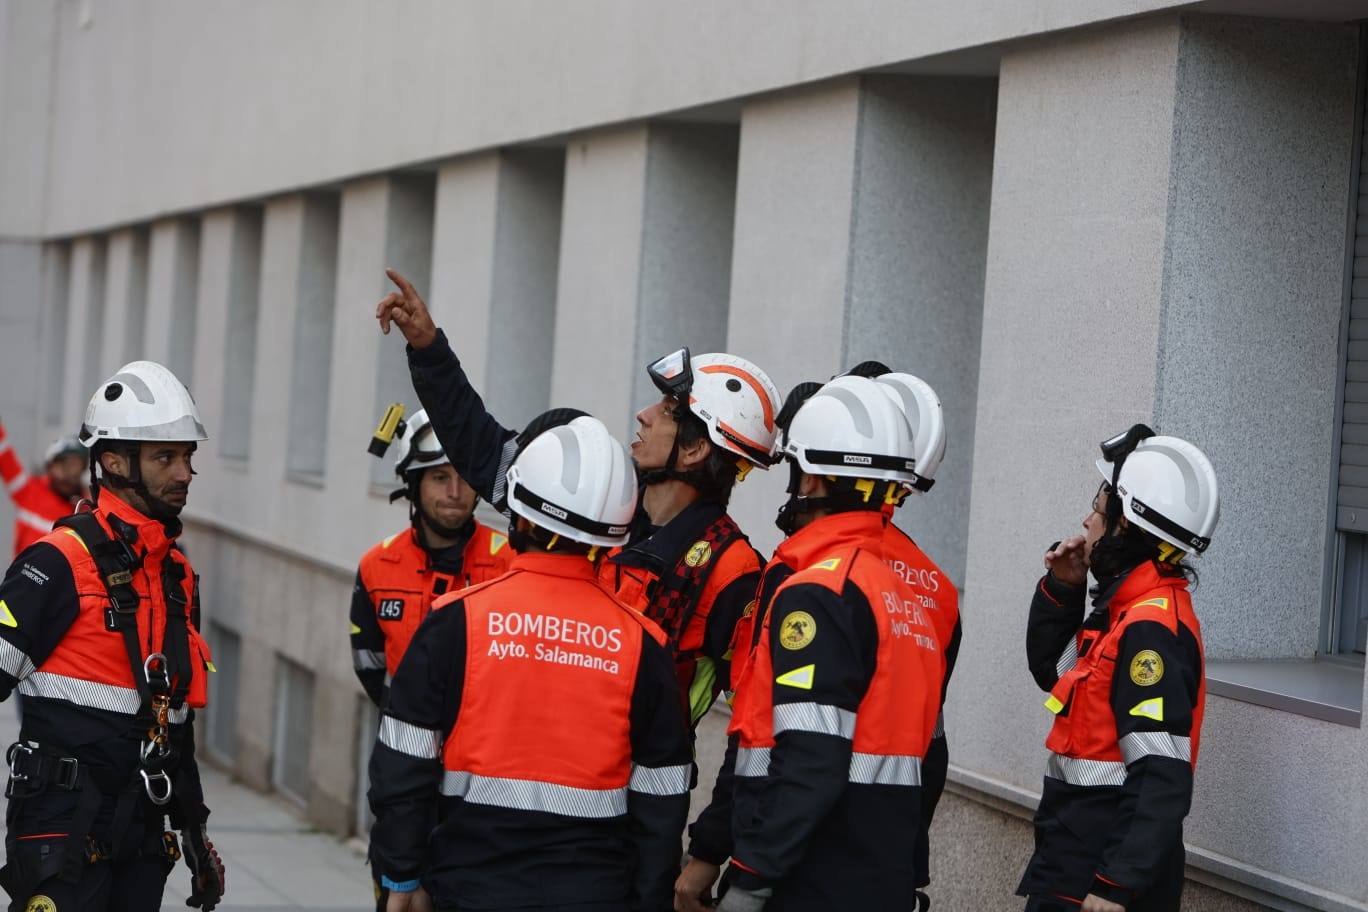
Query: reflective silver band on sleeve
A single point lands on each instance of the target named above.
(818, 718)
(14, 661)
(423, 743)
(533, 795)
(1155, 744)
(661, 780)
(368, 660)
(1075, 771)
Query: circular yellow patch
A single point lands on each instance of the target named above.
(1146, 668)
(797, 630)
(41, 904)
(699, 554)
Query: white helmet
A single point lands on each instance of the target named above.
(922, 408)
(416, 447)
(65, 446)
(734, 398)
(578, 481)
(142, 402)
(1168, 488)
(851, 427)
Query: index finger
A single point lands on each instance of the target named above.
(404, 285)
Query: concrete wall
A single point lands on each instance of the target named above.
(287, 97)
(1139, 220)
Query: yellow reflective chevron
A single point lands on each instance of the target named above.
(1053, 704)
(211, 666)
(355, 629)
(800, 678)
(1160, 603)
(1150, 709)
(831, 563)
(496, 542)
(6, 616)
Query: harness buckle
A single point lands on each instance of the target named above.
(68, 772)
(158, 786)
(157, 673)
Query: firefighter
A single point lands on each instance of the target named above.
(534, 753)
(443, 549)
(39, 501)
(687, 565)
(710, 835)
(840, 696)
(1126, 684)
(98, 631)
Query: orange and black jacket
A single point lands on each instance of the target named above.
(36, 505)
(534, 750)
(57, 649)
(834, 714)
(396, 584)
(641, 572)
(1127, 687)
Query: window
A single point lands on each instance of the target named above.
(368, 724)
(408, 248)
(313, 331)
(244, 286)
(57, 292)
(184, 298)
(293, 730)
(1347, 627)
(221, 714)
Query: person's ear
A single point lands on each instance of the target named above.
(114, 463)
(811, 486)
(693, 455)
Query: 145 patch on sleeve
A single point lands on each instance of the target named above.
(391, 609)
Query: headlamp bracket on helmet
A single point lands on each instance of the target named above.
(673, 374)
(1116, 449)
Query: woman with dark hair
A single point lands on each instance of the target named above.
(1126, 683)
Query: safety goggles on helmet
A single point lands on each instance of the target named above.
(424, 450)
(673, 374)
(1116, 449)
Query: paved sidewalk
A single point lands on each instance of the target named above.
(275, 861)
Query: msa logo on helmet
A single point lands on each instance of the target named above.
(554, 511)
(852, 459)
(391, 610)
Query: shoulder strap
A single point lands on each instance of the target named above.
(676, 595)
(114, 561)
(176, 635)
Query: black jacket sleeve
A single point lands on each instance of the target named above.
(936, 766)
(726, 611)
(710, 836)
(187, 810)
(478, 446)
(1056, 615)
(662, 771)
(405, 767)
(810, 760)
(1154, 691)
(38, 604)
(367, 643)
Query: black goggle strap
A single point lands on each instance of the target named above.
(569, 517)
(1160, 521)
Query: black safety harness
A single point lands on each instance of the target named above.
(162, 680)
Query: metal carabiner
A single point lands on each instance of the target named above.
(163, 680)
(153, 750)
(163, 780)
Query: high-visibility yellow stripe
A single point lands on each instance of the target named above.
(701, 690)
(1053, 704)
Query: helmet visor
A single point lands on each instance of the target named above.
(673, 374)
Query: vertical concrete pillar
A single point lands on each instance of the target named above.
(55, 324)
(86, 327)
(172, 292)
(220, 235)
(1070, 324)
(861, 230)
(21, 271)
(126, 298)
(496, 243)
(645, 258)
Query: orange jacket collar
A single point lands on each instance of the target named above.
(816, 540)
(152, 535)
(1141, 580)
(567, 565)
